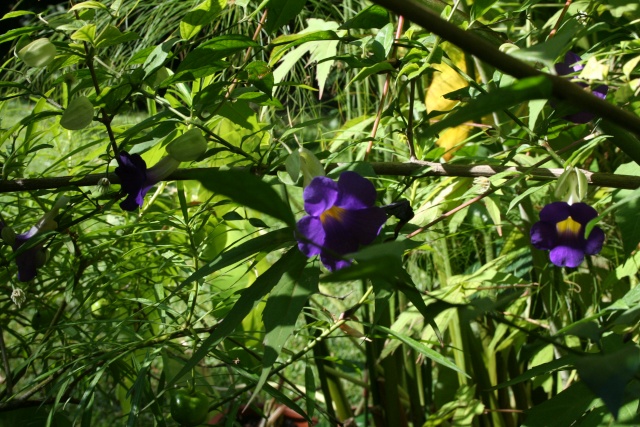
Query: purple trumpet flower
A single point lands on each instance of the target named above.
(561, 231)
(28, 261)
(571, 65)
(136, 179)
(342, 216)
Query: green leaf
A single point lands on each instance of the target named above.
(281, 311)
(248, 190)
(422, 349)
(564, 363)
(17, 32)
(199, 16)
(564, 409)
(376, 261)
(112, 36)
(16, 13)
(538, 87)
(198, 63)
(281, 12)
(156, 58)
(373, 16)
(85, 34)
(249, 298)
(265, 243)
(284, 43)
(528, 192)
(260, 75)
(228, 44)
(480, 7)
(380, 67)
(549, 51)
(607, 375)
(88, 5)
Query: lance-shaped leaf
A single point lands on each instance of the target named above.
(247, 190)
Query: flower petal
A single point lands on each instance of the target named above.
(311, 228)
(555, 212)
(580, 117)
(594, 242)
(601, 91)
(364, 224)
(566, 256)
(27, 263)
(544, 235)
(582, 213)
(339, 238)
(320, 195)
(570, 65)
(355, 192)
(334, 264)
(132, 171)
(338, 241)
(133, 201)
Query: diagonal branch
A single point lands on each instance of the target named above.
(475, 45)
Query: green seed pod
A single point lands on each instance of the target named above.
(78, 114)
(188, 146)
(38, 53)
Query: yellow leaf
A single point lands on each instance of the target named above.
(444, 81)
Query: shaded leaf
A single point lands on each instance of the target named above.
(281, 12)
(607, 375)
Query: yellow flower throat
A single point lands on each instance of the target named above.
(569, 227)
(334, 212)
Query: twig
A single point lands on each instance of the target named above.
(560, 18)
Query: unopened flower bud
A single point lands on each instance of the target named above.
(188, 147)
(481, 184)
(38, 53)
(8, 235)
(103, 185)
(571, 186)
(18, 297)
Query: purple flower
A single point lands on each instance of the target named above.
(28, 261)
(342, 216)
(561, 231)
(571, 65)
(136, 179)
